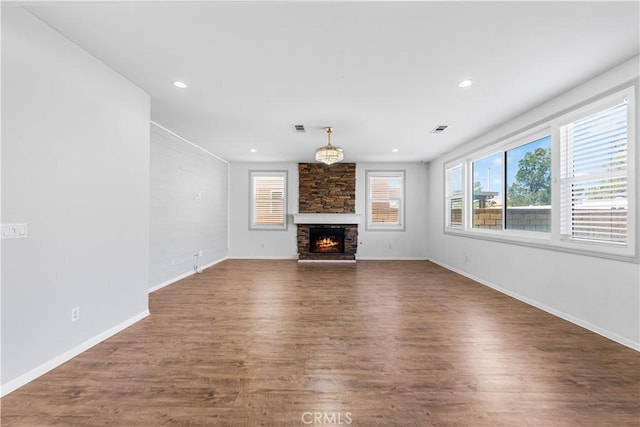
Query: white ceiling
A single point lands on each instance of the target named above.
(383, 74)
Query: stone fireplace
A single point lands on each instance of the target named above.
(327, 222)
(310, 234)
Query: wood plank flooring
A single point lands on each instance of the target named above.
(397, 343)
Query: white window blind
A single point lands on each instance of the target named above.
(386, 194)
(593, 176)
(453, 201)
(268, 199)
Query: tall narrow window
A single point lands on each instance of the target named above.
(593, 173)
(487, 192)
(528, 176)
(385, 200)
(268, 200)
(454, 196)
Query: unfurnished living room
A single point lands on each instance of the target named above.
(282, 213)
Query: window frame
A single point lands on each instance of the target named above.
(253, 174)
(553, 239)
(448, 194)
(380, 226)
(584, 112)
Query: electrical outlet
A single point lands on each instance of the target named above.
(75, 314)
(466, 258)
(14, 231)
(173, 261)
(200, 252)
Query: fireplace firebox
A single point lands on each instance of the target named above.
(326, 240)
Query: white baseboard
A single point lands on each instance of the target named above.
(23, 379)
(332, 261)
(184, 275)
(393, 258)
(569, 318)
(264, 257)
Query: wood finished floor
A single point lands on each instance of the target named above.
(377, 343)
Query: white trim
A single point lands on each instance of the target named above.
(379, 226)
(253, 174)
(183, 276)
(569, 318)
(326, 261)
(393, 258)
(182, 138)
(294, 257)
(326, 218)
(38, 371)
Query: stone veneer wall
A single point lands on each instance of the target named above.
(327, 188)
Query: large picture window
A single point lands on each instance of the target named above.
(268, 200)
(528, 179)
(569, 183)
(385, 200)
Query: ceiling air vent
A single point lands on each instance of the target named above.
(439, 129)
(299, 129)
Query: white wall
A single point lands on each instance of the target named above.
(189, 208)
(75, 167)
(245, 243)
(408, 244)
(600, 294)
(411, 243)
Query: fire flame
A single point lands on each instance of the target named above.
(327, 244)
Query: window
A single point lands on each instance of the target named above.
(528, 178)
(568, 183)
(487, 192)
(593, 174)
(268, 200)
(453, 182)
(385, 200)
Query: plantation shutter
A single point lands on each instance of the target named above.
(454, 197)
(593, 175)
(386, 198)
(269, 200)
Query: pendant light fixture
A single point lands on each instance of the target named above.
(329, 154)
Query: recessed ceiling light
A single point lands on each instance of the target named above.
(181, 85)
(253, 150)
(395, 150)
(465, 83)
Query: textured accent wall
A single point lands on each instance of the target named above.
(327, 188)
(188, 210)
